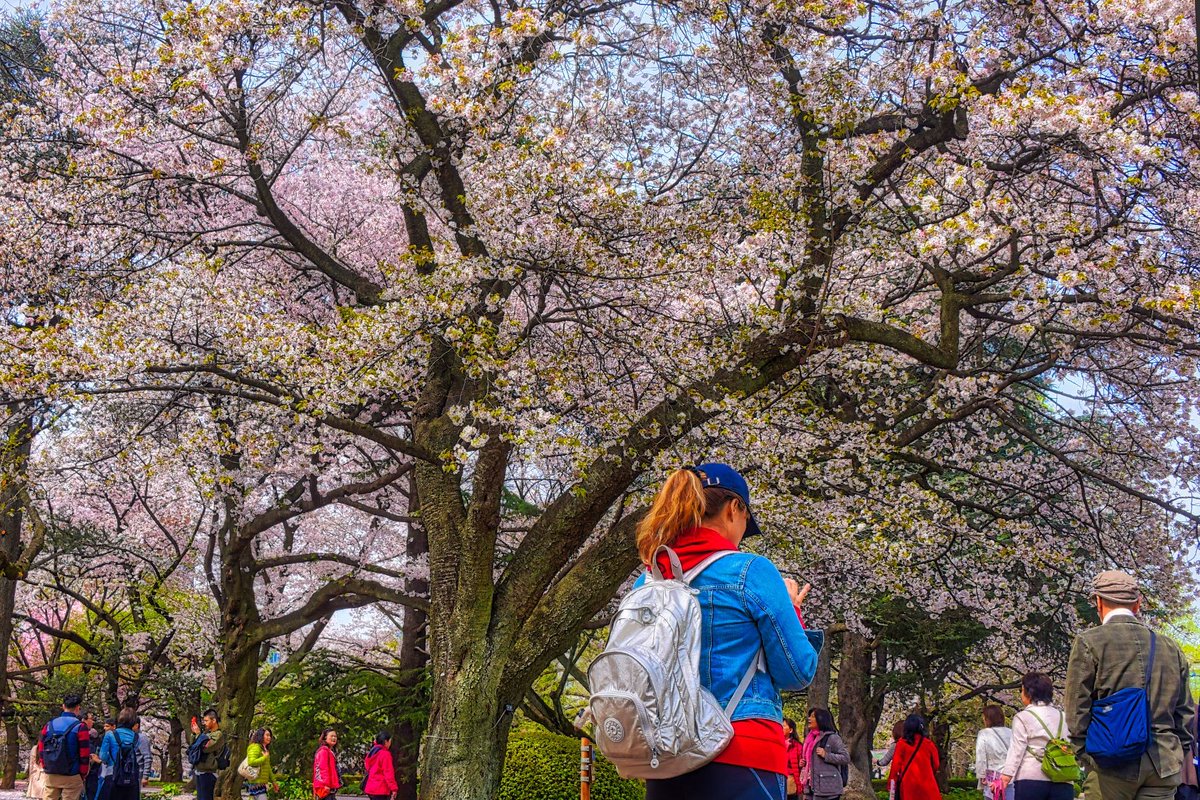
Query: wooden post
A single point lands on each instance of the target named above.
(585, 769)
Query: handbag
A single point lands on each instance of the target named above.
(791, 785)
(1120, 728)
(246, 771)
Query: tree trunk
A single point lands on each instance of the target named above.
(940, 733)
(468, 729)
(15, 447)
(856, 717)
(173, 761)
(12, 750)
(414, 662)
(237, 670)
(237, 694)
(818, 690)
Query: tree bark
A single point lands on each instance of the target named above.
(15, 446)
(819, 689)
(173, 761)
(237, 670)
(467, 736)
(414, 662)
(858, 712)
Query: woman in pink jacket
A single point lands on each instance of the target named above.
(380, 772)
(326, 780)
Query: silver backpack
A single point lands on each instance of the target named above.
(653, 718)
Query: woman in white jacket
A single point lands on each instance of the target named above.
(1032, 730)
(991, 752)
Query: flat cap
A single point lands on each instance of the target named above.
(1116, 586)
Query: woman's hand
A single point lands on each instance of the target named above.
(796, 592)
(195, 728)
(820, 751)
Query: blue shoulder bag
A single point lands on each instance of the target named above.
(1120, 728)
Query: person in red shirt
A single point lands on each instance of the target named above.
(326, 779)
(914, 767)
(380, 770)
(795, 758)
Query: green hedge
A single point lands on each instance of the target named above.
(544, 766)
(969, 784)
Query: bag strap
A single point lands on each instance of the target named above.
(754, 667)
(1150, 662)
(916, 749)
(695, 571)
(1042, 722)
(676, 569)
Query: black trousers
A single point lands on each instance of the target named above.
(206, 785)
(1043, 790)
(720, 782)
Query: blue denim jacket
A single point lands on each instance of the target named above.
(745, 606)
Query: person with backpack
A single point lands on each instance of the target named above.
(991, 751)
(208, 753)
(64, 750)
(709, 725)
(123, 760)
(913, 775)
(1040, 764)
(326, 778)
(256, 768)
(379, 771)
(1121, 670)
(825, 759)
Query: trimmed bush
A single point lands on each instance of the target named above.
(544, 766)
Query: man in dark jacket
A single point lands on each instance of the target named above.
(1111, 657)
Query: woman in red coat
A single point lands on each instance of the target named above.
(915, 765)
(326, 780)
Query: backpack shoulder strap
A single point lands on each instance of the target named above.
(1042, 722)
(1150, 661)
(695, 571)
(676, 569)
(754, 667)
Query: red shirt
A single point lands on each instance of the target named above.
(757, 743)
(84, 738)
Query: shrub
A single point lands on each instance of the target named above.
(545, 766)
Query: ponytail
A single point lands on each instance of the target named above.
(678, 506)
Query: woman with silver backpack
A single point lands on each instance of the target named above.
(686, 693)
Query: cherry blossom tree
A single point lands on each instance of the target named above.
(867, 250)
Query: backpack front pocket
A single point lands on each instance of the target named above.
(626, 728)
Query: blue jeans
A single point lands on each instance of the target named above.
(720, 782)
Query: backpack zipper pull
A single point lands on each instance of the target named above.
(653, 758)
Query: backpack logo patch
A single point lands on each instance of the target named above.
(613, 729)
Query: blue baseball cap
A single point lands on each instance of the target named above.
(726, 477)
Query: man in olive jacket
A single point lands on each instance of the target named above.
(1111, 657)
